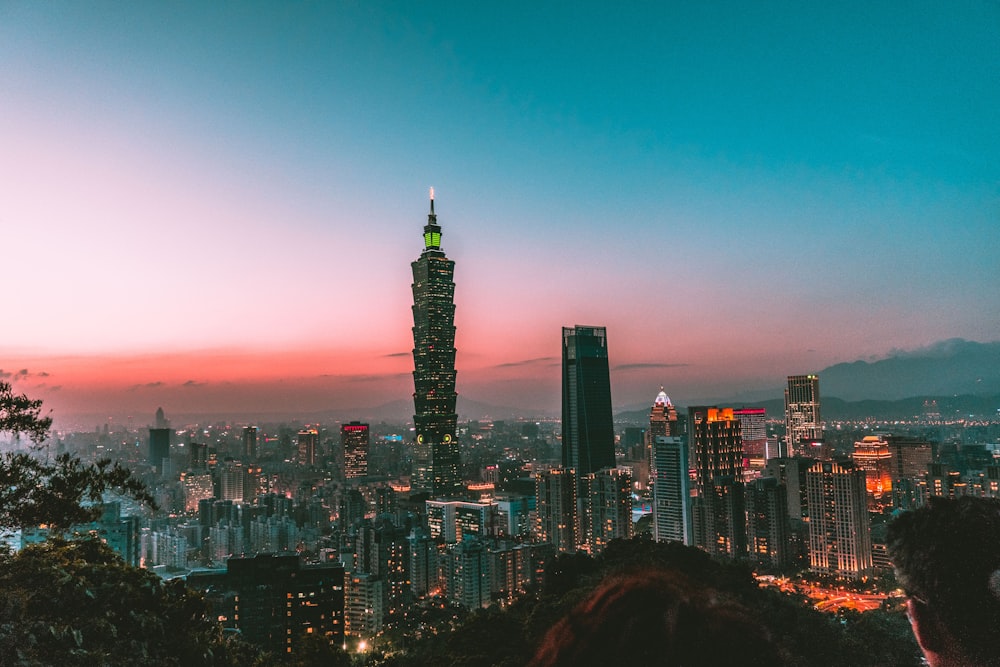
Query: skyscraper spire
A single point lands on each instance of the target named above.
(432, 232)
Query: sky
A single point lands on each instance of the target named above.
(213, 206)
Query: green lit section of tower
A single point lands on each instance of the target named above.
(436, 454)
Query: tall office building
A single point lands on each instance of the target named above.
(436, 453)
(159, 447)
(840, 540)
(662, 418)
(767, 522)
(671, 493)
(753, 431)
(555, 507)
(355, 439)
(231, 479)
(719, 516)
(249, 443)
(803, 425)
(308, 442)
(608, 507)
(872, 455)
(910, 458)
(588, 435)
(277, 600)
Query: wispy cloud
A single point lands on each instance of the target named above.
(375, 378)
(643, 366)
(192, 383)
(397, 354)
(526, 362)
(147, 385)
(21, 374)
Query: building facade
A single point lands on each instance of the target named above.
(719, 517)
(436, 452)
(608, 507)
(588, 435)
(671, 490)
(803, 423)
(556, 508)
(839, 529)
(355, 438)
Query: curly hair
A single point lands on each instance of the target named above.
(656, 618)
(947, 557)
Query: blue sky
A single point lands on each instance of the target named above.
(737, 192)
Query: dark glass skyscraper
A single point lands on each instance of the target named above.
(588, 434)
(436, 455)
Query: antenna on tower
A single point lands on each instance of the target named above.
(432, 199)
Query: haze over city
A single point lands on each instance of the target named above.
(215, 207)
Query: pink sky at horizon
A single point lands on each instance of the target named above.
(210, 207)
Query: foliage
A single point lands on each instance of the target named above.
(20, 414)
(33, 492)
(78, 603)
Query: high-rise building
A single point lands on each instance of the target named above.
(555, 507)
(719, 517)
(159, 447)
(436, 453)
(671, 492)
(767, 522)
(198, 486)
(872, 455)
(840, 540)
(662, 418)
(608, 507)
(803, 425)
(910, 458)
(588, 435)
(249, 443)
(308, 442)
(753, 431)
(791, 473)
(231, 479)
(363, 605)
(276, 600)
(355, 439)
(466, 574)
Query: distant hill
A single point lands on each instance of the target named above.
(948, 368)
(962, 376)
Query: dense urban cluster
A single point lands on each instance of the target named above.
(380, 535)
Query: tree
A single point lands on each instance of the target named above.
(20, 414)
(35, 492)
(78, 603)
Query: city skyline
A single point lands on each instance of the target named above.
(204, 202)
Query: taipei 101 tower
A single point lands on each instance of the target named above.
(436, 457)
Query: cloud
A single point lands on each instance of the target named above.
(5, 374)
(643, 366)
(192, 383)
(376, 378)
(526, 362)
(43, 374)
(148, 385)
(23, 372)
(398, 354)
